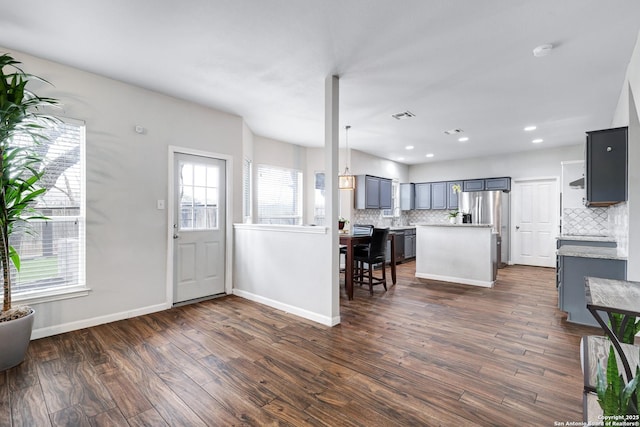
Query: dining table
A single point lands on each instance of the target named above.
(352, 240)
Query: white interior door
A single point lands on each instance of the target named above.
(535, 222)
(199, 228)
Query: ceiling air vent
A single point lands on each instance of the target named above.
(453, 131)
(404, 115)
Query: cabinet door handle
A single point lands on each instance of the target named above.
(517, 227)
(609, 149)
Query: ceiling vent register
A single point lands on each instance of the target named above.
(403, 115)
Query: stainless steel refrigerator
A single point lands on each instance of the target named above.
(490, 207)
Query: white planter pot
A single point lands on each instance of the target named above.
(15, 336)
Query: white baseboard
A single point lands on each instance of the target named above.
(95, 321)
(460, 280)
(315, 317)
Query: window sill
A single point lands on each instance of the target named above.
(40, 297)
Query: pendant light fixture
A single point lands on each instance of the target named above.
(346, 181)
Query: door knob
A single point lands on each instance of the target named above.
(517, 227)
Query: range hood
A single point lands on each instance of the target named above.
(578, 183)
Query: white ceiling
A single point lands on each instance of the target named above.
(464, 64)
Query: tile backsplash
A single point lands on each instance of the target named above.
(429, 216)
(585, 221)
(619, 226)
(374, 216)
(612, 221)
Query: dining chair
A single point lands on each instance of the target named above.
(358, 230)
(374, 254)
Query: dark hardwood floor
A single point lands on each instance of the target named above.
(423, 353)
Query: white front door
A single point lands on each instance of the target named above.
(535, 222)
(199, 228)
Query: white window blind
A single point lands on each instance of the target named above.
(279, 195)
(246, 190)
(52, 251)
(319, 199)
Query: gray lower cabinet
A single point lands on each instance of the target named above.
(409, 243)
(571, 283)
(407, 196)
(423, 195)
(438, 195)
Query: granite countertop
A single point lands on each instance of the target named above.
(586, 238)
(590, 252)
(613, 294)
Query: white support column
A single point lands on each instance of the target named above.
(331, 144)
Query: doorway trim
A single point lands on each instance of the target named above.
(173, 150)
(512, 225)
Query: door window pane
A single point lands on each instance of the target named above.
(199, 196)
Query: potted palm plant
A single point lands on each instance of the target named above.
(21, 115)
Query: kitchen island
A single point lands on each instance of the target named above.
(458, 253)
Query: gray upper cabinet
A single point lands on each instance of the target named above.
(488, 184)
(473, 185)
(492, 184)
(423, 195)
(606, 166)
(407, 196)
(452, 197)
(438, 195)
(372, 192)
(385, 194)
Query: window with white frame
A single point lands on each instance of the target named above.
(52, 250)
(279, 195)
(319, 200)
(246, 190)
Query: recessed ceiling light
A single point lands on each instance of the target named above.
(409, 147)
(429, 155)
(542, 50)
(463, 139)
(537, 141)
(530, 128)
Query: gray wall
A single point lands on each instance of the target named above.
(126, 250)
(528, 164)
(627, 114)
